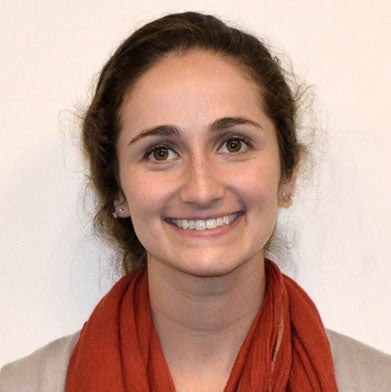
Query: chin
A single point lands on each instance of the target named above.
(207, 262)
(209, 267)
(208, 272)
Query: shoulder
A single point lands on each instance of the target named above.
(44, 370)
(359, 367)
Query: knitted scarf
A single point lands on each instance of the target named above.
(286, 348)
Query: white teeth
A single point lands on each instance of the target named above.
(184, 223)
(208, 224)
(211, 224)
(200, 224)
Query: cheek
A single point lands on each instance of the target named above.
(144, 194)
(260, 183)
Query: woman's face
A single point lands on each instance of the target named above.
(199, 165)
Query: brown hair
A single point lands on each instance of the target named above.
(176, 33)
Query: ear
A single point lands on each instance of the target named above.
(286, 190)
(121, 209)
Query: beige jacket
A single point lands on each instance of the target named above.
(358, 367)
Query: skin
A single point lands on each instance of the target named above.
(196, 144)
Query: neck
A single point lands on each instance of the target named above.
(205, 304)
(203, 321)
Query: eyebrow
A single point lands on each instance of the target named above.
(227, 122)
(215, 126)
(161, 130)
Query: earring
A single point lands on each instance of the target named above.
(286, 197)
(120, 211)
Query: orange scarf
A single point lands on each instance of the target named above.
(286, 348)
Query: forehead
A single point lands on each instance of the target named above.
(192, 84)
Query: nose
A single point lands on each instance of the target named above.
(202, 183)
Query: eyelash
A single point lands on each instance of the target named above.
(240, 139)
(150, 151)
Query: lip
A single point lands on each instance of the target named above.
(205, 225)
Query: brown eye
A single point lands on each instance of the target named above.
(160, 153)
(234, 145)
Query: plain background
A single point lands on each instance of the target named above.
(53, 272)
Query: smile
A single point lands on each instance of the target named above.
(204, 224)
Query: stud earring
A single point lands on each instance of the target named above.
(120, 211)
(286, 197)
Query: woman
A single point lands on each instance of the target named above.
(192, 148)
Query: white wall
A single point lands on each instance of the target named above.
(52, 272)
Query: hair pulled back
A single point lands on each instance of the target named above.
(176, 33)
